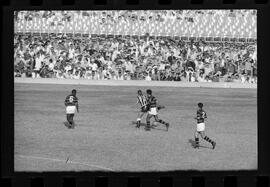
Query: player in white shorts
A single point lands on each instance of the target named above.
(201, 115)
(142, 100)
(153, 110)
(71, 103)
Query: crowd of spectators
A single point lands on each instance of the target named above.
(128, 15)
(133, 58)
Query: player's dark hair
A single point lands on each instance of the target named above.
(200, 105)
(139, 91)
(149, 92)
(73, 91)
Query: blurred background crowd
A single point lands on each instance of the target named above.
(45, 47)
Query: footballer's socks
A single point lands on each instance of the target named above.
(196, 142)
(138, 124)
(147, 127)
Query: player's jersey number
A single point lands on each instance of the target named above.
(71, 99)
(203, 115)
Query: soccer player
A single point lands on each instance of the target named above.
(153, 111)
(142, 100)
(201, 115)
(72, 105)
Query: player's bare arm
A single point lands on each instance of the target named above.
(66, 102)
(77, 107)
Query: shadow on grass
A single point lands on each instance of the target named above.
(193, 144)
(68, 125)
(155, 127)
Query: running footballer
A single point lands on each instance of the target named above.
(142, 100)
(201, 115)
(153, 111)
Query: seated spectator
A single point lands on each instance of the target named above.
(236, 78)
(207, 79)
(193, 77)
(59, 74)
(76, 75)
(148, 78)
(88, 73)
(243, 78)
(201, 78)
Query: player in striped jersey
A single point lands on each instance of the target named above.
(142, 100)
(201, 115)
(71, 103)
(152, 110)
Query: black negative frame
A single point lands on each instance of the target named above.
(211, 178)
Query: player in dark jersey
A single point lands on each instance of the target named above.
(142, 100)
(201, 115)
(153, 110)
(71, 103)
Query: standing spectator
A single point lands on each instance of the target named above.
(38, 65)
(51, 67)
(94, 68)
(248, 66)
(148, 78)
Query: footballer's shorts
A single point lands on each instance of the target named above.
(200, 127)
(70, 109)
(153, 111)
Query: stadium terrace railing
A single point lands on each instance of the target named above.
(183, 38)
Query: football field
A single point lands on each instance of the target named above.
(105, 138)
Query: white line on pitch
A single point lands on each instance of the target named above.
(71, 162)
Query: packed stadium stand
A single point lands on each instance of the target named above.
(179, 45)
(186, 23)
